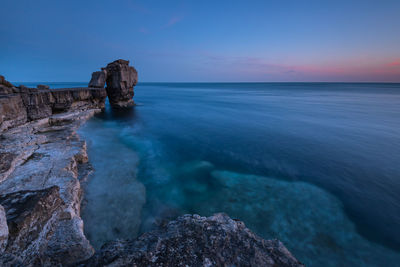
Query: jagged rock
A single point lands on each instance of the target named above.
(43, 87)
(5, 86)
(3, 230)
(192, 240)
(5, 83)
(12, 111)
(42, 154)
(29, 215)
(22, 104)
(37, 104)
(121, 78)
(98, 79)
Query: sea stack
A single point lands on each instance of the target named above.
(120, 79)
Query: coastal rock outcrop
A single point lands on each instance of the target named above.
(19, 105)
(98, 79)
(192, 240)
(41, 169)
(120, 79)
(28, 216)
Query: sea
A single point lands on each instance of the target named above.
(315, 165)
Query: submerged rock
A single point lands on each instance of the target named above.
(192, 240)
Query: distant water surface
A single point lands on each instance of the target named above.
(316, 165)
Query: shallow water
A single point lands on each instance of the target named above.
(314, 165)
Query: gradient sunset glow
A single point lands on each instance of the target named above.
(203, 41)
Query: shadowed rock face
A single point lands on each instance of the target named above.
(192, 240)
(27, 214)
(19, 105)
(98, 79)
(120, 79)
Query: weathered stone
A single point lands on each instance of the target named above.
(4, 82)
(22, 104)
(12, 111)
(192, 240)
(48, 153)
(43, 87)
(28, 213)
(4, 90)
(98, 79)
(3, 230)
(121, 78)
(38, 104)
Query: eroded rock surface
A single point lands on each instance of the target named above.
(192, 240)
(120, 79)
(3, 229)
(31, 220)
(98, 79)
(39, 155)
(33, 104)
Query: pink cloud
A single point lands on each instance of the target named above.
(262, 69)
(395, 63)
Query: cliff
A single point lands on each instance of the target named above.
(19, 105)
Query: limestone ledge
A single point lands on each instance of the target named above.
(45, 158)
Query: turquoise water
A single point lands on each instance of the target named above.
(316, 165)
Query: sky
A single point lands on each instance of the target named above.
(202, 41)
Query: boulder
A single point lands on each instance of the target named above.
(121, 78)
(192, 240)
(43, 87)
(98, 79)
(3, 230)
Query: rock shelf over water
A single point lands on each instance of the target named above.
(42, 164)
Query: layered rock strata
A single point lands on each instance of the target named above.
(120, 79)
(19, 105)
(43, 162)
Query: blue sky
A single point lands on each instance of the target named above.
(202, 40)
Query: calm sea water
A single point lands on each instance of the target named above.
(316, 165)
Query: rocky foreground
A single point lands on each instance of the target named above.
(42, 165)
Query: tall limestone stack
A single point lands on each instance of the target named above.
(120, 79)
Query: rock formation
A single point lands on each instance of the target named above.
(98, 79)
(42, 164)
(120, 79)
(29, 217)
(3, 230)
(19, 105)
(192, 240)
